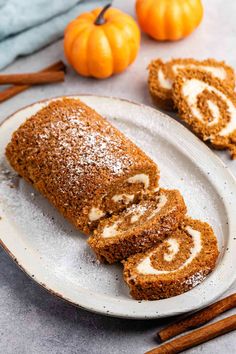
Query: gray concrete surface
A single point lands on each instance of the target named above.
(33, 321)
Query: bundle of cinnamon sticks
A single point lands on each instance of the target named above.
(200, 335)
(21, 82)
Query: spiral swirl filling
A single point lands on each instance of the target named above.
(173, 254)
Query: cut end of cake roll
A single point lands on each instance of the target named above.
(208, 107)
(179, 263)
(139, 227)
(218, 69)
(160, 84)
(162, 76)
(84, 166)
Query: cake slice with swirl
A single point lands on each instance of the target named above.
(139, 226)
(180, 262)
(208, 107)
(162, 76)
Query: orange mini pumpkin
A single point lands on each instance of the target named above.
(102, 42)
(169, 19)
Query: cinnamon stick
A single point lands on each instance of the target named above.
(197, 337)
(198, 318)
(14, 90)
(32, 78)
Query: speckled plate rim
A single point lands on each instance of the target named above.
(214, 286)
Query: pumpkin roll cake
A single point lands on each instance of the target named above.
(84, 166)
(208, 107)
(162, 76)
(138, 227)
(179, 263)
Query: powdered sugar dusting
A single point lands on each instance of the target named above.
(195, 279)
(145, 206)
(145, 209)
(94, 148)
(140, 208)
(76, 153)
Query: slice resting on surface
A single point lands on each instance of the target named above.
(179, 263)
(162, 76)
(139, 227)
(208, 107)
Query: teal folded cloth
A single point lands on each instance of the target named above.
(26, 26)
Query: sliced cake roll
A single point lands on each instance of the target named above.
(160, 84)
(162, 76)
(180, 262)
(208, 106)
(80, 162)
(139, 227)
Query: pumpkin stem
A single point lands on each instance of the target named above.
(100, 20)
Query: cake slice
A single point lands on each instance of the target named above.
(139, 227)
(180, 262)
(160, 84)
(208, 107)
(84, 166)
(162, 76)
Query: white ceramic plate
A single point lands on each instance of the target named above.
(56, 255)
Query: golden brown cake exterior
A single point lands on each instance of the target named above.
(208, 107)
(162, 76)
(139, 227)
(179, 263)
(80, 162)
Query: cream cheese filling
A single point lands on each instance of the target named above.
(110, 231)
(134, 218)
(95, 214)
(145, 267)
(126, 198)
(173, 249)
(192, 88)
(167, 83)
(140, 178)
(161, 203)
(220, 73)
(164, 81)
